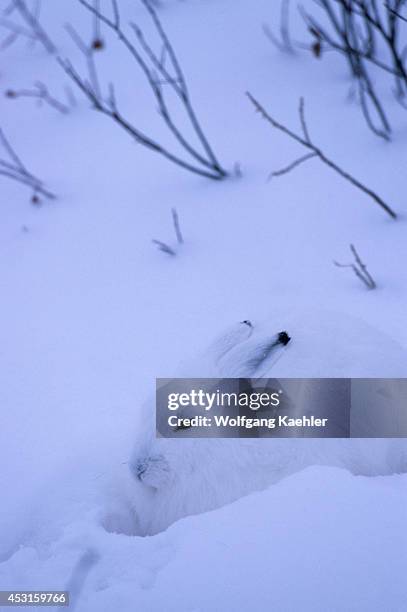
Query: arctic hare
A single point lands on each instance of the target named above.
(173, 478)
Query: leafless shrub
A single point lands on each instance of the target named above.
(315, 152)
(359, 268)
(162, 246)
(360, 30)
(39, 93)
(32, 28)
(13, 168)
(163, 72)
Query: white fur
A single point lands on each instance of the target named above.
(172, 478)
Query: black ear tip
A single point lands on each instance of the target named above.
(284, 338)
(246, 322)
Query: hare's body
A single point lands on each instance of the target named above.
(172, 478)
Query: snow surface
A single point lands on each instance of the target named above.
(319, 540)
(92, 313)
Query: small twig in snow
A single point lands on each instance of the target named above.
(164, 247)
(177, 229)
(359, 269)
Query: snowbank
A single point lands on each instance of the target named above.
(320, 540)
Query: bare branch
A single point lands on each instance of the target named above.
(11, 153)
(166, 42)
(395, 13)
(34, 25)
(359, 268)
(177, 229)
(164, 247)
(285, 44)
(204, 163)
(366, 92)
(16, 171)
(97, 41)
(317, 152)
(302, 119)
(355, 28)
(40, 93)
(362, 267)
(116, 14)
(88, 51)
(15, 32)
(293, 165)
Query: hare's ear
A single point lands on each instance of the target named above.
(229, 339)
(153, 471)
(251, 359)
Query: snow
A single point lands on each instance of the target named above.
(319, 540)
(92, 312)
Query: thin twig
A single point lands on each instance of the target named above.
(32, 21)
(294, 164)
(304, 127)
(97, 42)
(164, 247)
(395, 13)
(88, 51)
(285, 44)
(362, 267)
(359, 268)
(41, 93)
(17, 171)
(15, 32)
(317, 152)
(177, 228)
